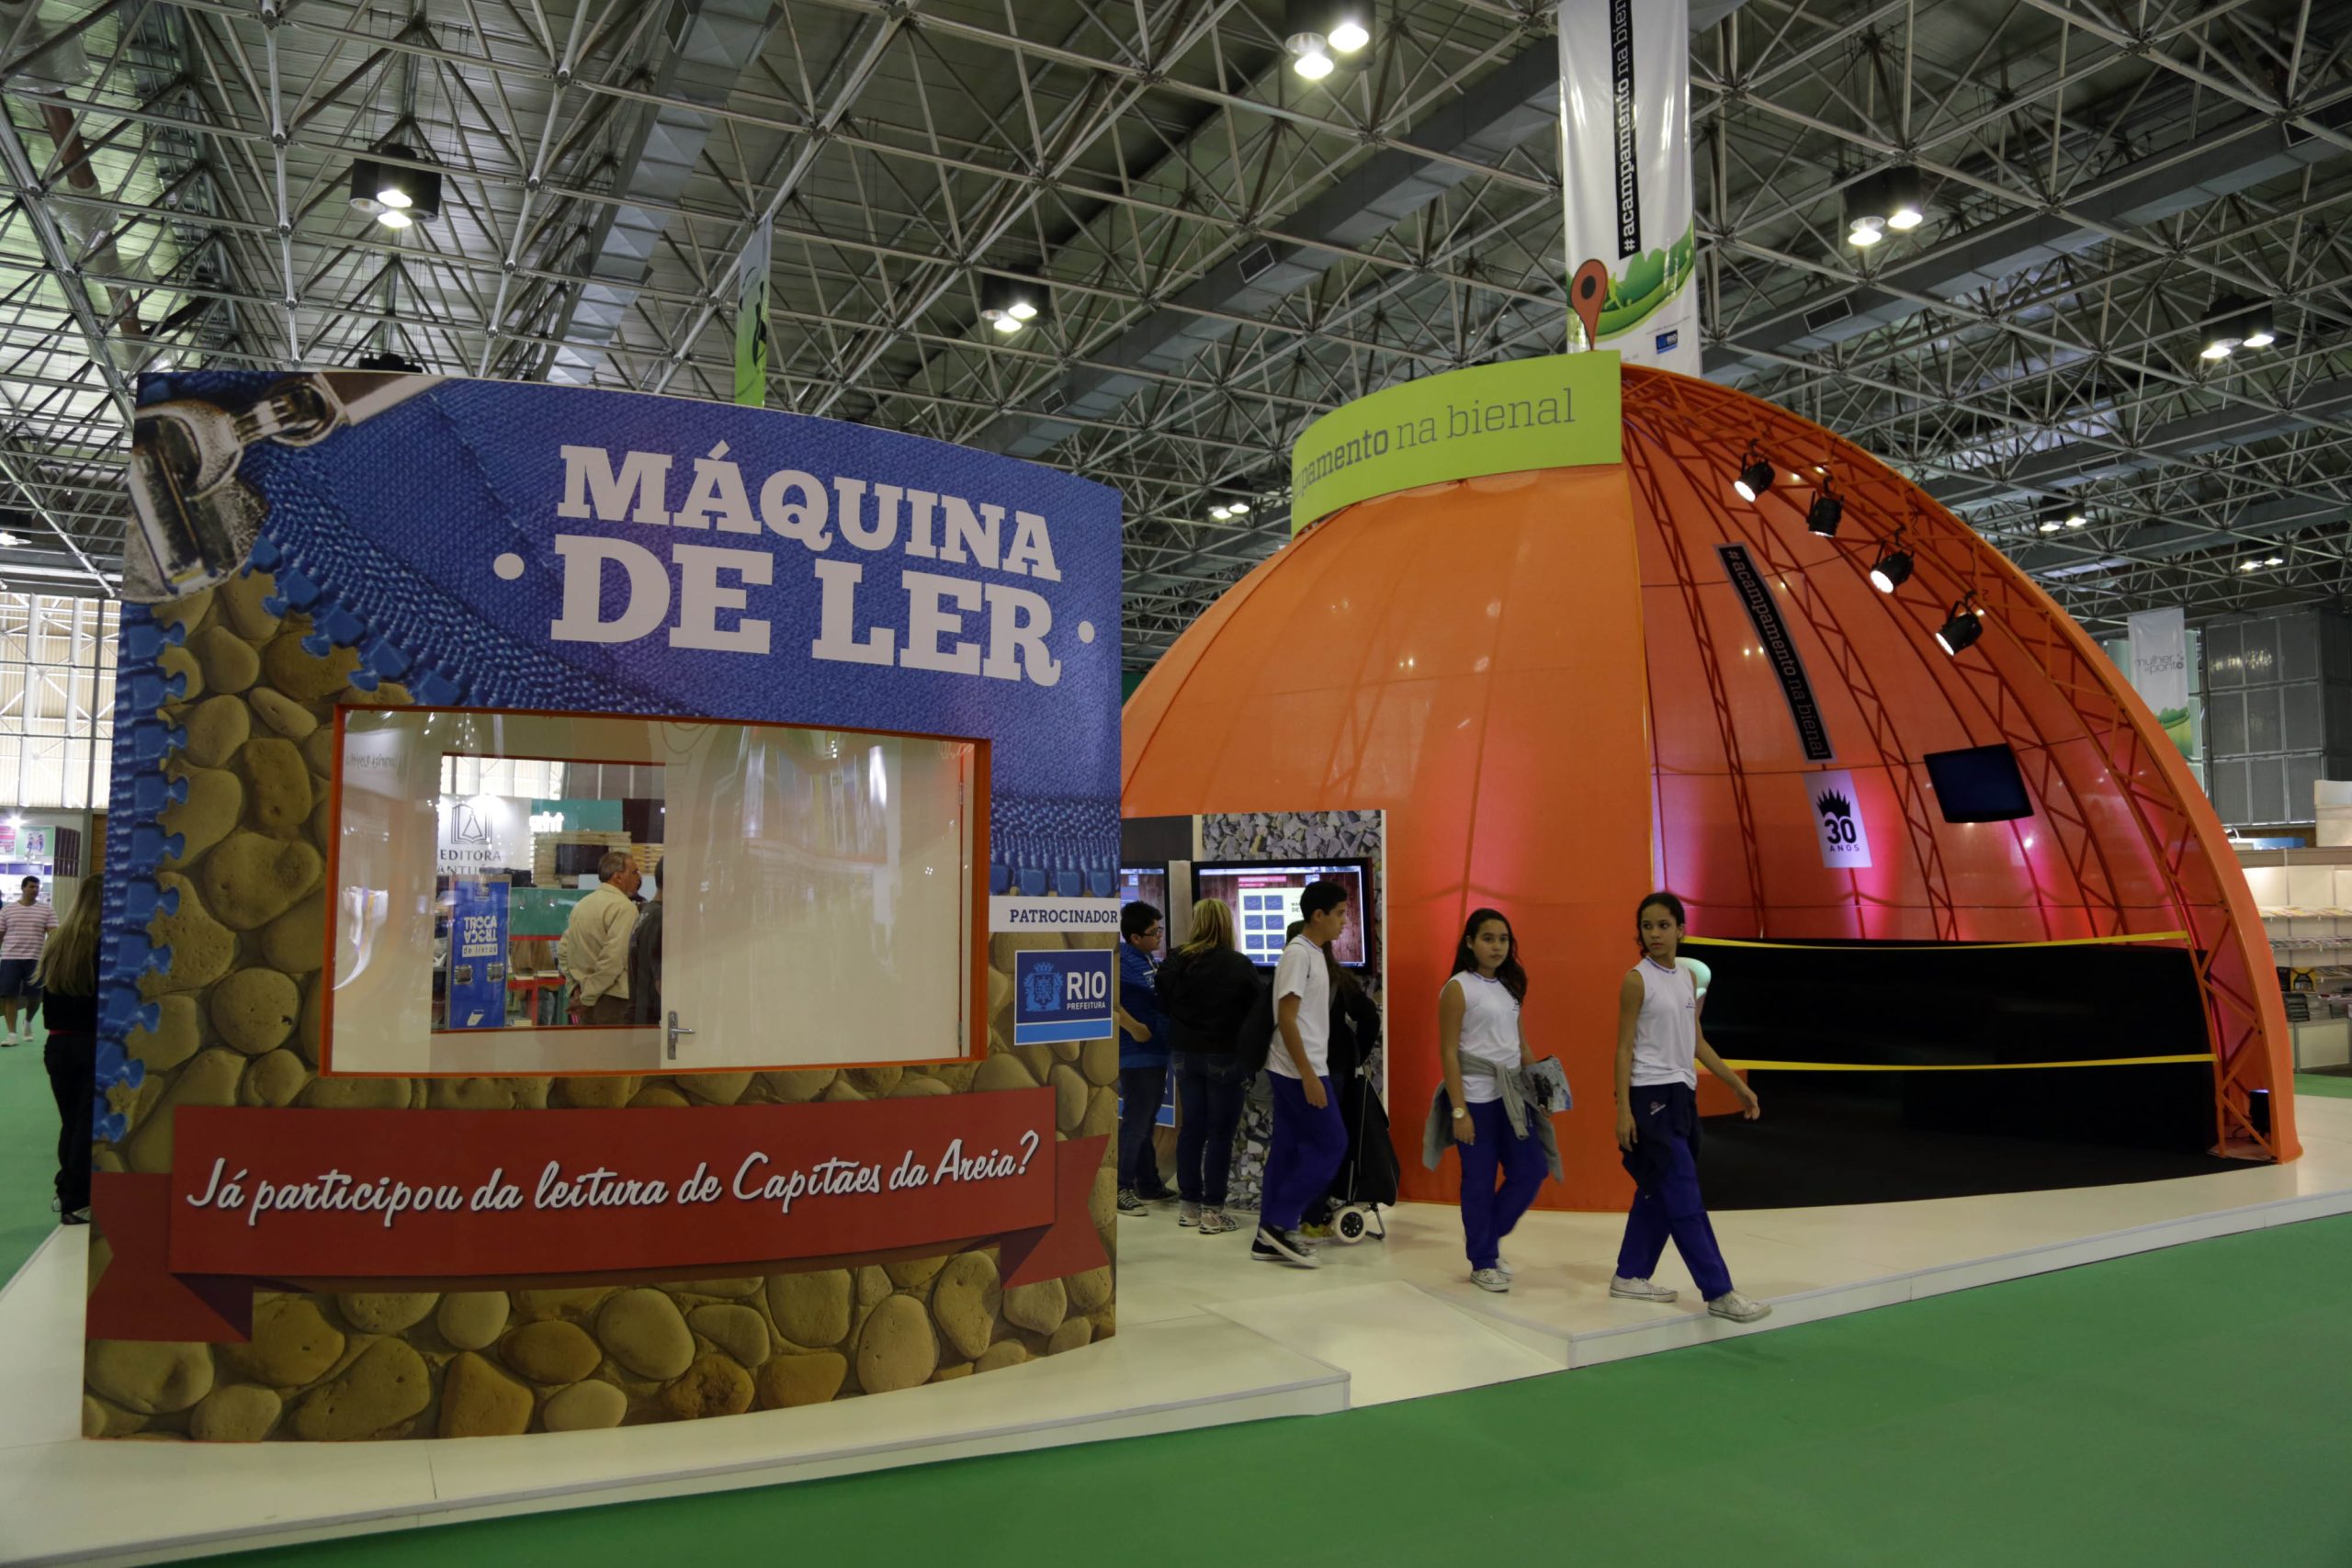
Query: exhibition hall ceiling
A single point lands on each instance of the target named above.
(1220, 248)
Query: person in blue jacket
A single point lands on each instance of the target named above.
(1142, 1059)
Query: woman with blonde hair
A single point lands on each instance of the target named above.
(1207, 991)
(68, 974)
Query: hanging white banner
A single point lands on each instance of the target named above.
(2160, 672)
(1838, 814)
(1625, 165)
(2160, 658)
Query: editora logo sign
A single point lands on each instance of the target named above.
(1836, 818)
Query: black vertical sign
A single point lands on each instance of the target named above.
(1628, 126)
(1780, 649)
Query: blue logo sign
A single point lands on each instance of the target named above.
(1667, 341)
(1061, 996)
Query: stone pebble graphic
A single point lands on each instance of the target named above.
(238, 1022)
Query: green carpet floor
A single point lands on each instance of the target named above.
(2327, 1086)
(2185, 1407)
(28, 1156)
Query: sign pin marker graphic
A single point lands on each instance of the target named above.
(1588, 291)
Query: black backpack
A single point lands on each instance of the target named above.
(1257, 1034)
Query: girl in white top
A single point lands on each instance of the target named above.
(1478, 1036)
(1660, 1048)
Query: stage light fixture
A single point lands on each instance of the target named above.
(1964, 627)
(2249, 564)
(1823, 516)
(1755, 476)
(1313, 64)
(2076, 520)
(1220, 514)
(394, 217)
(1866, 232)
(1350, 35)
(1007, 324)
(1239, 508)
(1893, 568)
(2275, 560)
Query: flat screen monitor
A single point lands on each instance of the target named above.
(1264, 900)
(1149, 882)
(579, 860)
(1979, 784)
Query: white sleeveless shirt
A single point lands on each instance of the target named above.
(1489, 1033)
(1665, 1033)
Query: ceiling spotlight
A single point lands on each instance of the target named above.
(2249, 564)
(1314, 65)
(2217, 346)
(394, 217)
(1239, 508)
(1822, 517)
(2076, 520)
(1964, 627)
(2051, 525)
(2275, 560)
(1904, 197)
(2257, 326)
(1866, 232)
(378, 187)
(1755, 476)
(10, 541)
(1008, 304)
(1220, 512)
(1893, 568)
(1349, 36)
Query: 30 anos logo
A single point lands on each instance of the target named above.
(1838, 825)
(1838, 817)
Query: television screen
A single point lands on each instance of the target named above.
(1264, 900)
(1149, 882)
(1980, 784)
(579, 860)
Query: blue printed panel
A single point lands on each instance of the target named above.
(1061, 996)
(477, 926)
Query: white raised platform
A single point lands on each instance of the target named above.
(1206, 1336)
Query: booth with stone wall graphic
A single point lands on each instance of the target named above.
(407, 655)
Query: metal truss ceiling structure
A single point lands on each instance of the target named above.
(1227, 249)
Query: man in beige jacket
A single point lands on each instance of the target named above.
(593, 954)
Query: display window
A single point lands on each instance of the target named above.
(535, 893)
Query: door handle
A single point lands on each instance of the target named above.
(676, 1030)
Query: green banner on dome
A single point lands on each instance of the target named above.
(1559, 412)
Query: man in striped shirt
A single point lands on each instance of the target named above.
(25, 925)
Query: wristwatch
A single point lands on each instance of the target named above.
(1459, 1113)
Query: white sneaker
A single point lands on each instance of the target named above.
(1502, 1267)
(1738, 1308)
(1188, 1214)
(1638, 1289)
(1493, 1279)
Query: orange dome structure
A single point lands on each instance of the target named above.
(1552, 684)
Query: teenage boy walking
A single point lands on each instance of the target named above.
(1309, 1140)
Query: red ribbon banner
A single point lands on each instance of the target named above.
(352, 1200)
